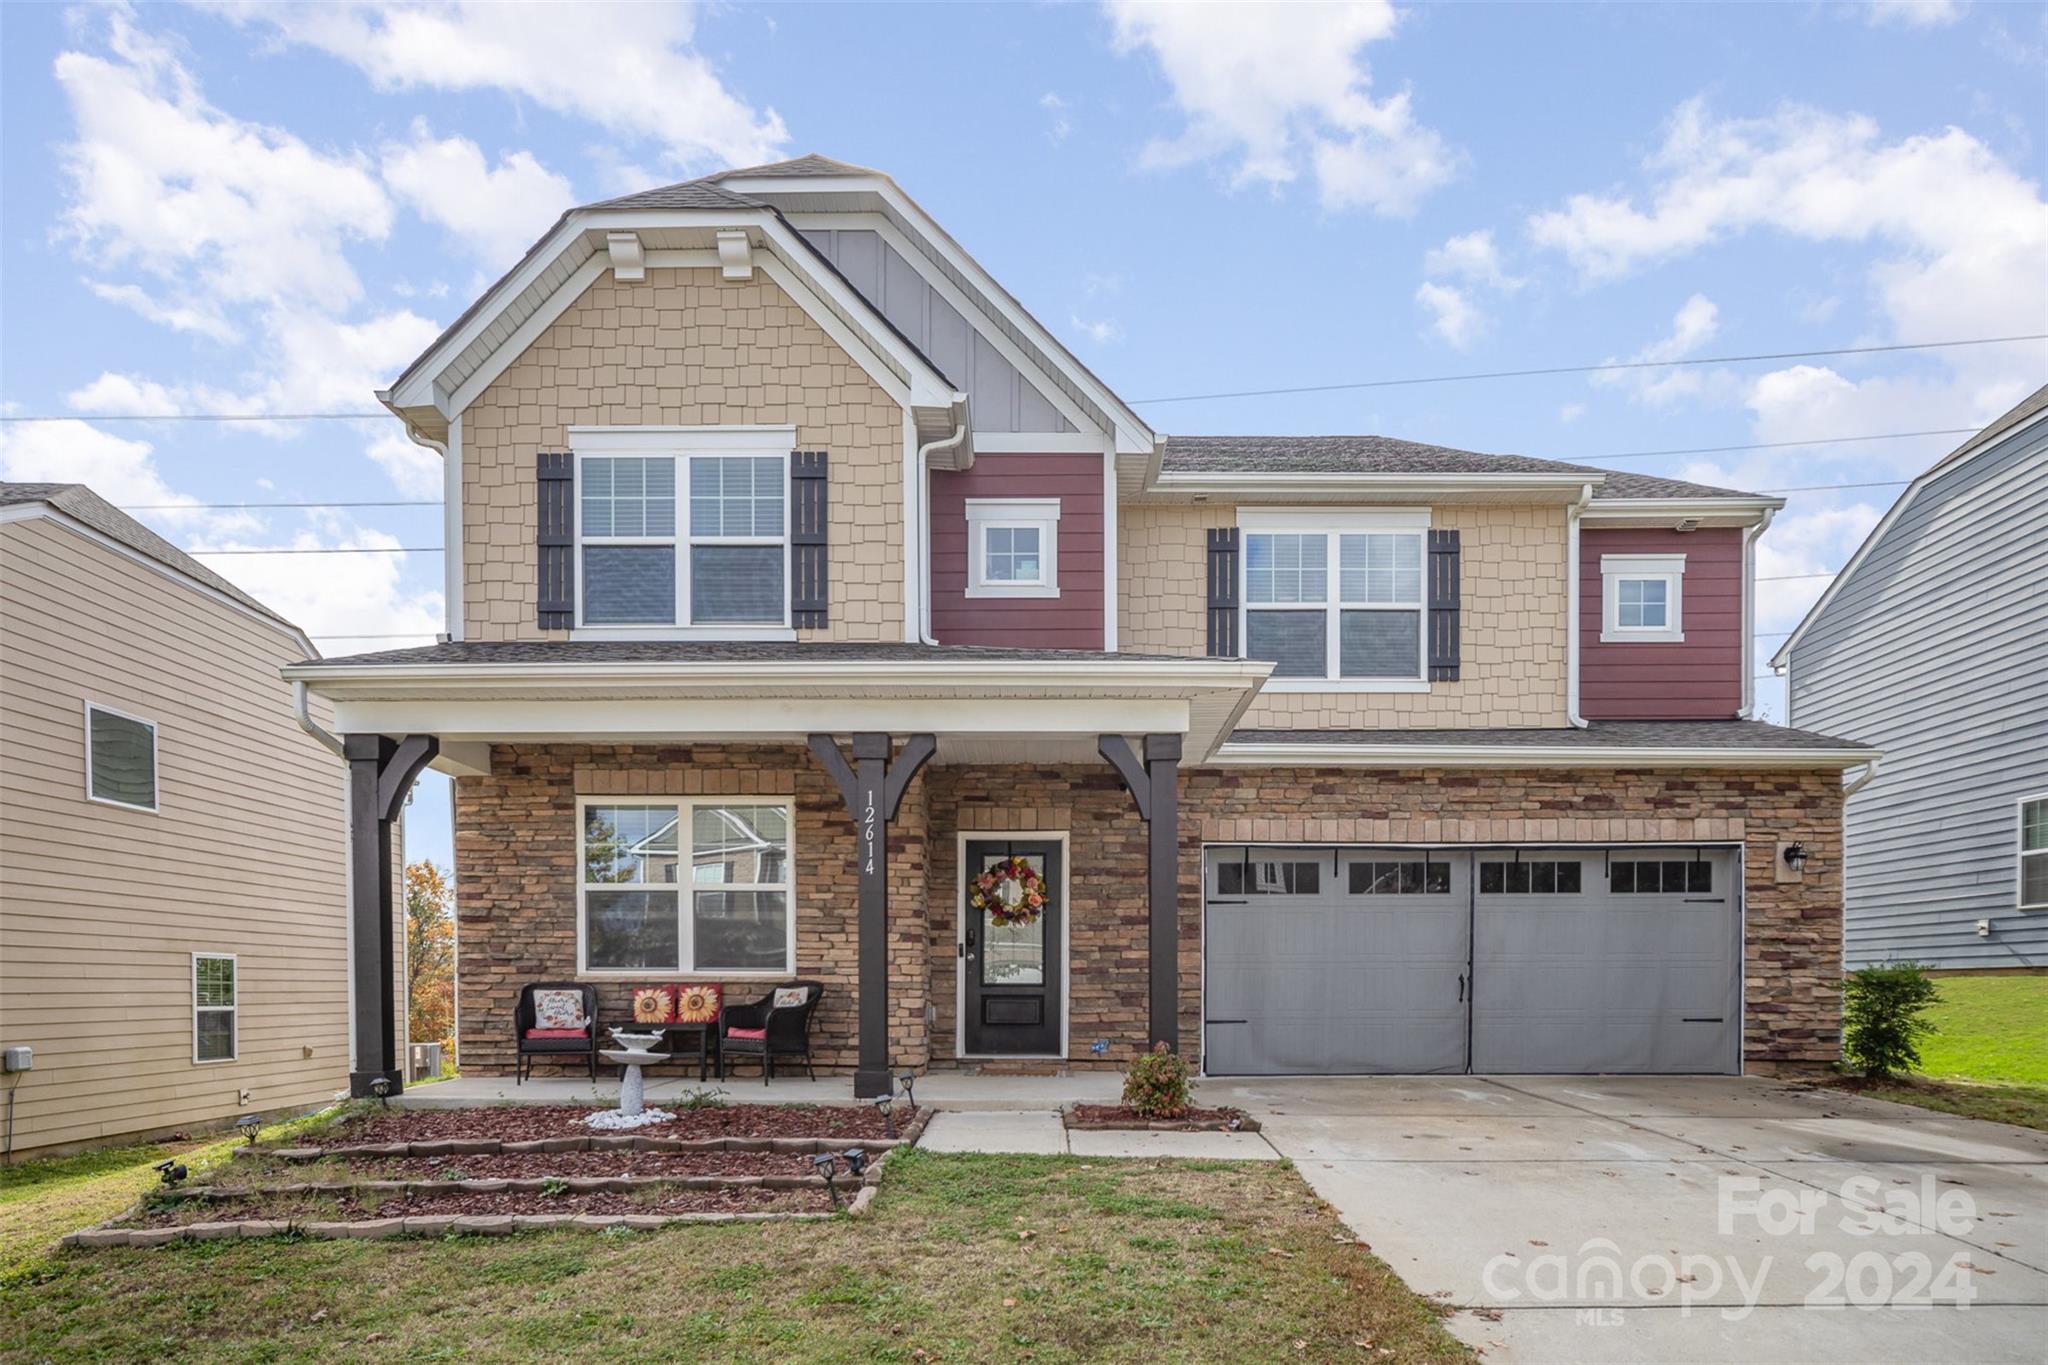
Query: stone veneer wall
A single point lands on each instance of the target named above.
(516, 839)
(683, 348)
(1512, 633)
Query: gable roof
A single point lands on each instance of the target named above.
(88, 508)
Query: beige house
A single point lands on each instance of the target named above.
(173, 899)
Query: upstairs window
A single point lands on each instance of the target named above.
(2034, 854)
(1013, 547)
(120, 759)
(1642, 599)
(683, 540)
(1336, 598)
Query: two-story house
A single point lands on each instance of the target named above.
(786, 545)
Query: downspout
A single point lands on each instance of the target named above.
(301, 703)
(1571, 610)
(923, 528)
(1869, 771)
(1749, 540)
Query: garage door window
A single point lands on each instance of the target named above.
(1269, 877)
(1535, 877)
(1417, 878)
(1663, 877)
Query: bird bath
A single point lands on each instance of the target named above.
(635, 1050)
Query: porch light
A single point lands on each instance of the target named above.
(1795, 856)
(828, 1166)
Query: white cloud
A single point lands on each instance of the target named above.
(1913, 13)
(1454, 316)
(120, 470)
(1571, 412)
(629, 68)
(1470, 256)
(415, 469)
(1056, 109)
(1102, 332)
(335, 595)
(191, 316)
(496, 212)
(1799, 544)
(1283, 91)
(1696, 322)
(120, 394)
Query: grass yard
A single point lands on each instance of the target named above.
(965, 1258)
(1993, 1028)
(42, 1200)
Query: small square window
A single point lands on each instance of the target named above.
(1013, 547)
(120, 762)
(1643, 605)
(1643, 599)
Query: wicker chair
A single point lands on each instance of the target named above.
(760, 1030)
(567, 1049)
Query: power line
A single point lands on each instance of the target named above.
(1788, 577)
(201, 417)
(1612, 365)
(1828, 487)
(1784, 445)
(333, 550)
(247, 506)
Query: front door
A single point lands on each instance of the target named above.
(1012, 971)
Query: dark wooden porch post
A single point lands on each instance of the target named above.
(1155, 788)
(380, 772)
(873, 790)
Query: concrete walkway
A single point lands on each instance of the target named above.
(1040, 1132)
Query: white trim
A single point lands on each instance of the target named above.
(234, 1011)
(452, 556)
(1333, 525)
(1037, 443)
(523, 336)
(156, 772)
(30, 511)
(1281, 755)
(1750, 536)
(1355, 486)
(1041, 515)
(784, 633)
(961, 839)
(1573, 607)
(751, 675)
(682, 440)
(735, 254)
(686, 889)
(1675, 510)
(1333, 519)
(1946, 465)
(916, 559)
(1111, 531)
(2021, 853)
(628, 258)
(1616, 570)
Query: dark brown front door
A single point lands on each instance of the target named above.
(1013, 972)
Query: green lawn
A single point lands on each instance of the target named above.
(963, 1258)
(1993, 1028)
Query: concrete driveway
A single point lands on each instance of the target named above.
(1682, 1219)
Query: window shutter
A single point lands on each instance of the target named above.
(1223, 592)
(554, 539)
(1443, 606)
(809, 577)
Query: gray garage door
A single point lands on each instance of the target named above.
(1348, 961)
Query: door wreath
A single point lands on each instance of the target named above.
(1011, 892)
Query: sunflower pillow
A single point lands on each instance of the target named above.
(653, 1005)
(696, 1004)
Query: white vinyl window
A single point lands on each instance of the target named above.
(683, 530)
(215, 992)
(1013, 547)
(2034, 853)
(1337, 601)
(120, 758)
(732, 913)
(1642, 598)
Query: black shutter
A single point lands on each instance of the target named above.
(1443, 606)
(1223, 592)
(809, 578)
(554, 539)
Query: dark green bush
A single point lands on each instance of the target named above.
(1156, 1086)
(1881, 1017)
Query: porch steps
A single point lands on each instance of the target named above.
(1018, 1069)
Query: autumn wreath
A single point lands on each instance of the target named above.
(1010, 892)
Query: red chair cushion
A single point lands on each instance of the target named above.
(746, 1033)
(558, 1033)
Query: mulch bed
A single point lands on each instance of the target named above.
(536, 1165)
(1114, 1116)
(522, 1123)
(342, 1207)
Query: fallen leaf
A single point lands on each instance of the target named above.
(1009, 1303)
(1280, 1251)
(1535, 1243)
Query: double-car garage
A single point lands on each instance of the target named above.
(1355, 961)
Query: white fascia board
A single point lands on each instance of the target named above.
(755, 677)
(1362, 485)
(1529, 756)
(1261, 517)
(1745, 509)
(454, 404)
(1038, 442)
(1132, 432)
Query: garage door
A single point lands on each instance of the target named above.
(1345, 961)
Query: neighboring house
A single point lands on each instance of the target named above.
(1336, 754)
(1932, 643)
(173, 908)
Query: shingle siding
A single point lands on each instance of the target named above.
(1936, 651)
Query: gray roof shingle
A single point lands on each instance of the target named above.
(1599, 734)
(81, 504)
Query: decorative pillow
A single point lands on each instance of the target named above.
(790, 997)
(746, 1033)
(653, 1005)
(558, 1009)
(696, 1004)
(557, 1033)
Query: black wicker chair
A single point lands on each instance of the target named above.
(583, 1046)
(767, 1032)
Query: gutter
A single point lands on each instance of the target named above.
(1862, 779)
(922, 524)
(301, 704)
(1572, 623)
(1532, 756)
(1749, 540)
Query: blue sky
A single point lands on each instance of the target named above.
(241, 207)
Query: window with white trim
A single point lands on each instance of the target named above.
(732, 915)
(1013, 547)
(678, 538)
(120, 758)
(1340, 601)
(215, 992)
(1642, 599)
(2034, 854)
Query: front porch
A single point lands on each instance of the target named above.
(950, 1090)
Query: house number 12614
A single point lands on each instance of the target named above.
(870, 829)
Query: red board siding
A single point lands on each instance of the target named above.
(1073, 620)
(1699, 678)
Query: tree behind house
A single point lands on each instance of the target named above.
(430, 955)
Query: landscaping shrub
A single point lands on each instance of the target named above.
(1156, 1086)
(1881, 1017)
